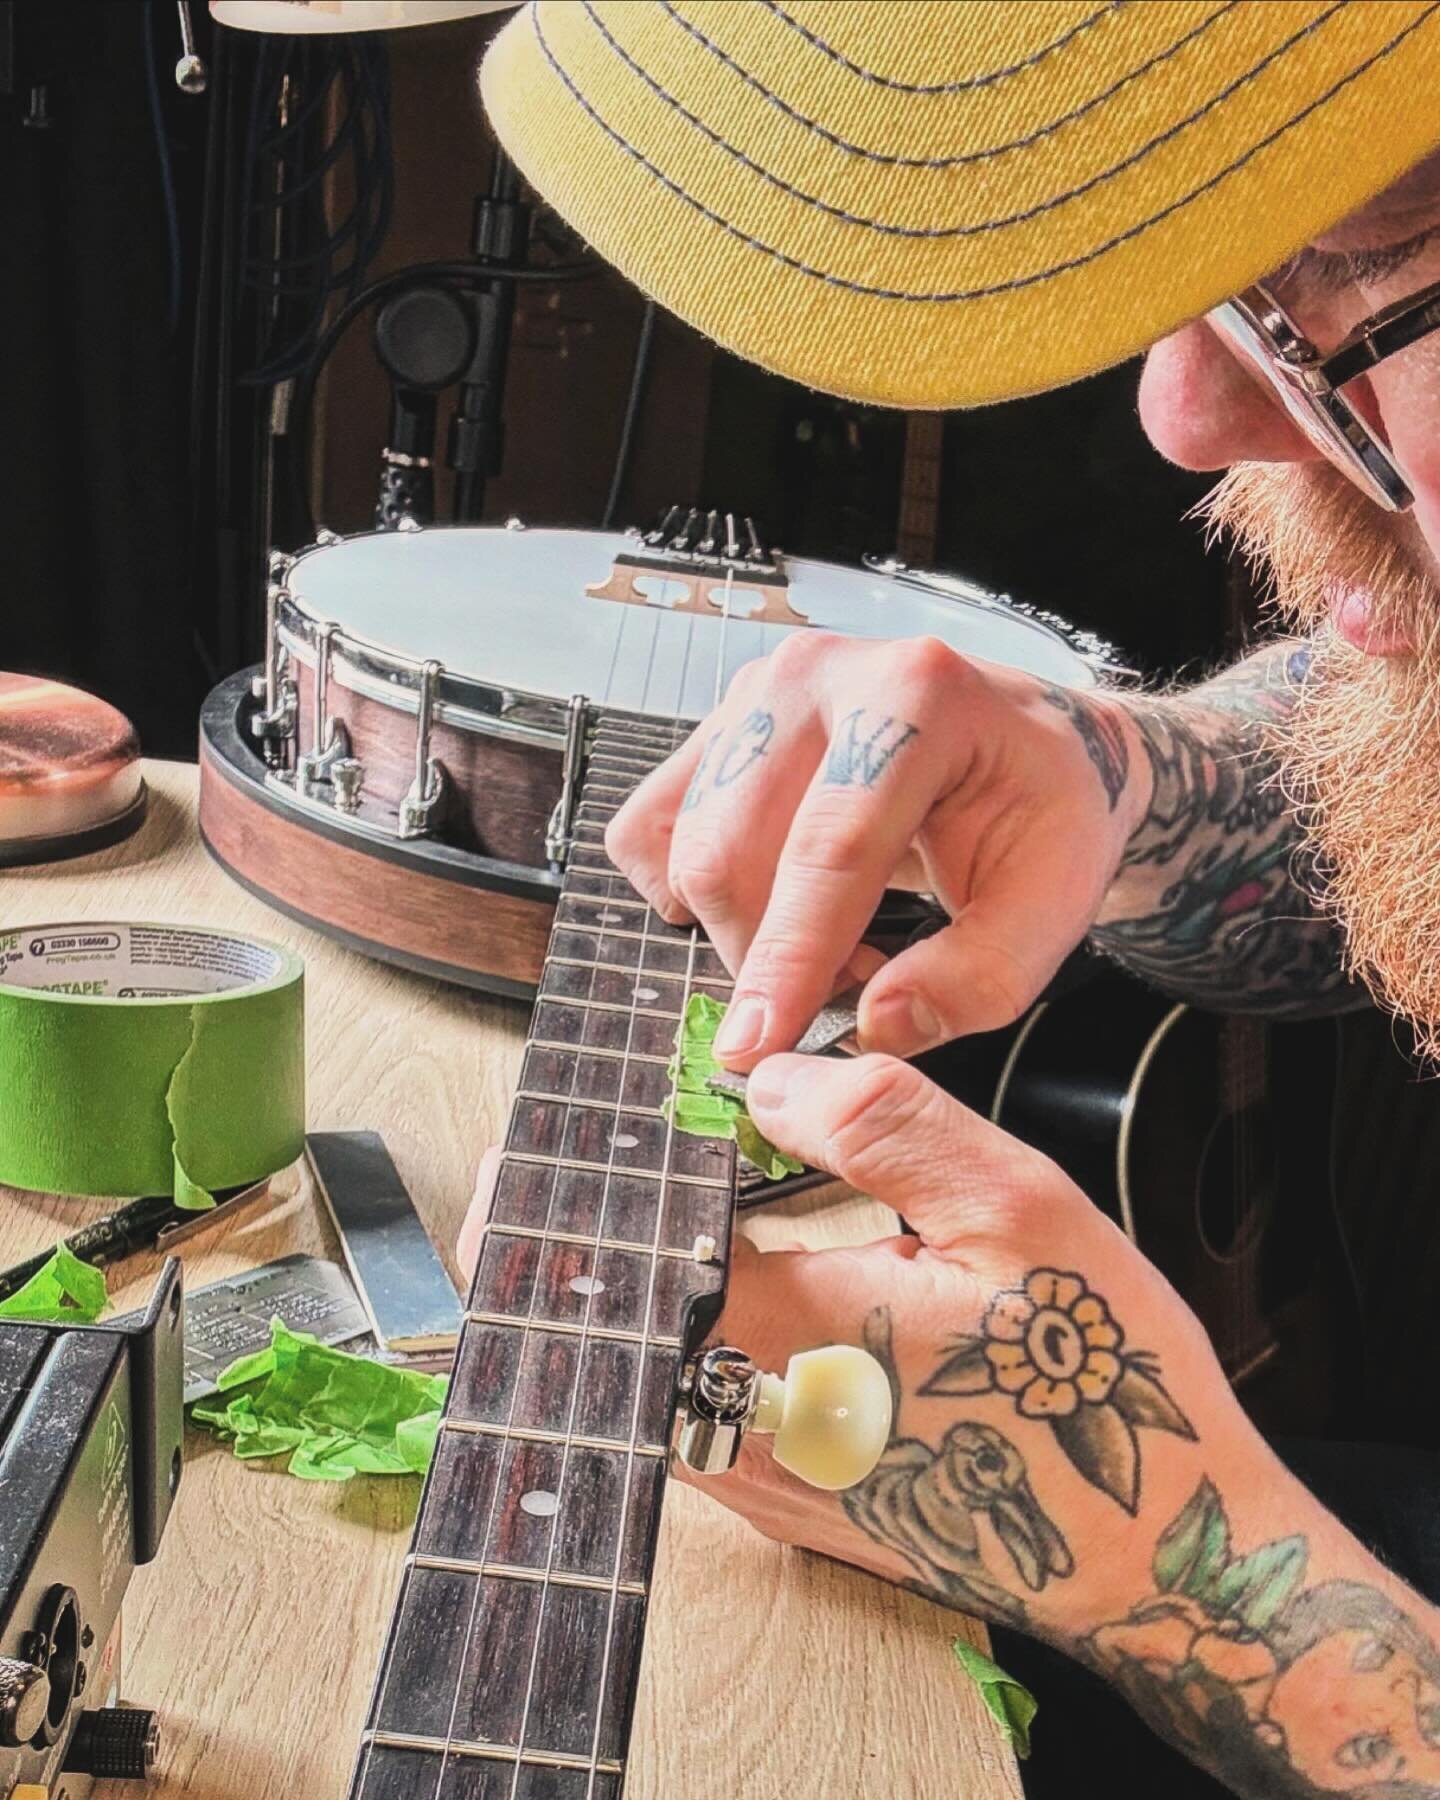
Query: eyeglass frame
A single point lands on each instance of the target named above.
(1308, 383)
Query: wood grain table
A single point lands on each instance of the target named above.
(768, 1672)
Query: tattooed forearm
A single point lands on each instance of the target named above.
(1103, 738)
(1216, 900)
(864, 746)
(1053, 1345)
(1281, 1691)
(923, 1504)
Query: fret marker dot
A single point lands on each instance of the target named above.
(540, 1503)
(647, 994)
(586, 1284)
(625, 1140)
(609, 916)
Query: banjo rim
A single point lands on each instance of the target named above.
(471, 703)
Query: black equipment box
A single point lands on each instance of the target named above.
(91, 1426)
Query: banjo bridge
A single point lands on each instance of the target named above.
(693, 563)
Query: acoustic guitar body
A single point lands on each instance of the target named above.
(1198, 1142)
(69, 772)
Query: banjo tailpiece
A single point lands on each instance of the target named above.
(702, 564)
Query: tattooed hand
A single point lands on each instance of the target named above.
(836, 768)
(1065, 1455)
(1042, 1370)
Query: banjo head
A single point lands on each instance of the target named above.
(69, 772)
(521, 613)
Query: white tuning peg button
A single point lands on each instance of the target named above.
(830, 1415)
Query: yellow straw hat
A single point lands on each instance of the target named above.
(946, 202)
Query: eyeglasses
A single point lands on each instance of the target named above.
(1265, 337)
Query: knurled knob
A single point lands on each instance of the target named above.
(24, 1698)
(115, 1743)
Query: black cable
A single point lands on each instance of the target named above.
(465, 274)
(626, 446)
(287, 174)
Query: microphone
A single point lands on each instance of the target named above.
(424, 339)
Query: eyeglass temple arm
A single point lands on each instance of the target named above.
(1394, 327)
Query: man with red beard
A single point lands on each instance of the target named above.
(940, 203)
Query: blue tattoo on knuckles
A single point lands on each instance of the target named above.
(695, 792)
(749, 743)
(861, 752)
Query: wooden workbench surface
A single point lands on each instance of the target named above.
(768, 1673)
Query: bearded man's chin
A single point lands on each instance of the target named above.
(1360, 756)
(1360, 751)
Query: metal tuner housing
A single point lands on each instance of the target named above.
(830, 1415)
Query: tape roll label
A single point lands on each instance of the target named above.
(133, 962)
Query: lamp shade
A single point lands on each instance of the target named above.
(297, 17)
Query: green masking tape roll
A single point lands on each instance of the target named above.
(148, 1059)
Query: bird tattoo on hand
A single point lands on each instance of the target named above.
(923, 1503)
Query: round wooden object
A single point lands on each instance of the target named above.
(69, 772)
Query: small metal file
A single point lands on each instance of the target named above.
(400, 1279)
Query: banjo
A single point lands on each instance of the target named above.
(403, 772)
(446, 722)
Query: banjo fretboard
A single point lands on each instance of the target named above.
(510, 1668)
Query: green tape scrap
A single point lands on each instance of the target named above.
(65, 1292)
(334, 1415)
(1012, 1706)
(694, 1108)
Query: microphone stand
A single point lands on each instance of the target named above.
(476, 438)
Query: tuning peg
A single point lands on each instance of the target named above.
(830, 1415)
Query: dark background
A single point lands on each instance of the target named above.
(156, 306)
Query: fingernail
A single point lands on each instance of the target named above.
(742, 1029)
(901, 1024)
(781, 1078)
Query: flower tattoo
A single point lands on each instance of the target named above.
(1052, 1345)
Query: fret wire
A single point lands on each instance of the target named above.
(640, 1112)
(608, 930)
(636, 728)
(594, 1049)
(570, 1162)
(614, 1006)
(533, 1234)
(641, 733)
(608, 761)
(518, 1572)
(584, 962)
(613, 1334)
(531, 1759)
(607, 900)
(536, 1434)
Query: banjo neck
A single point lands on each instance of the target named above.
(510, 1668)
